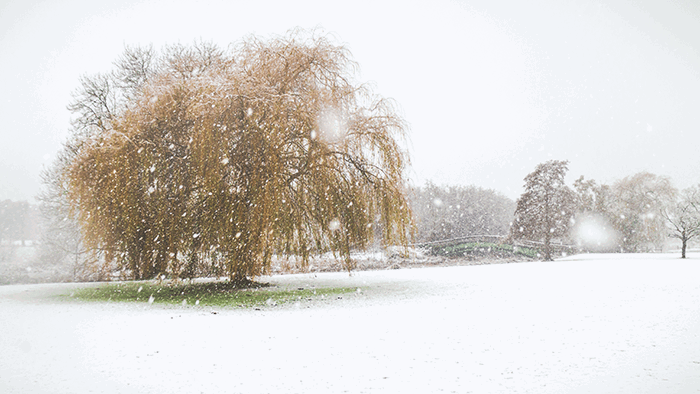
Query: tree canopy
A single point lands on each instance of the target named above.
(546, 208)
(270, 147)
(638, 203)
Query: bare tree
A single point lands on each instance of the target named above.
(133, 69)
(61, 242)
(546, 208)
(271, 148)
(683, 217)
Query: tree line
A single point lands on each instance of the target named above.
(197, 160)
(450, 212)
(634, 214)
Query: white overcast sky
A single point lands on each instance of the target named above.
(490, 88)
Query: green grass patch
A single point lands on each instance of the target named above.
(482, 249)
(221, 294)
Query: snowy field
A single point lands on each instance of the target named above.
(583, 324)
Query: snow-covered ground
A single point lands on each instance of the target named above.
(583, 324)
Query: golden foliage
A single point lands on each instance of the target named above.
(271, 148)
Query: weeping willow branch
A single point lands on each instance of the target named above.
(271, 147)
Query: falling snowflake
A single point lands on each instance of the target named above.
(334, 225)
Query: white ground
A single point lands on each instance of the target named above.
(584, 324)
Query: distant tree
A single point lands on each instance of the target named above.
(270, 148)
(61, 244)
(591, 197)
(17, 221)
(546, 208)
(8, 221)
(444, 212)
(593, 230)
(683, 217)
(638, 205)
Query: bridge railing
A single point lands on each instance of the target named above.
(556, 246)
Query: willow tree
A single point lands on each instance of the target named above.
(269, 148)
(639, 202)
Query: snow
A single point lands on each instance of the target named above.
(582, 324)
(594, 232)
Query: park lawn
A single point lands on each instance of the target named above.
(221, 294)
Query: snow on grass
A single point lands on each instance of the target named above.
(592, 323)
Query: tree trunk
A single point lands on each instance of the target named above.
(547, 249)
(685, 242)
(241, 281)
